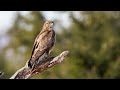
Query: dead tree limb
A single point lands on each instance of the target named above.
(1, 74)
(26, 72)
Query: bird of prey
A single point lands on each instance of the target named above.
(43, 44)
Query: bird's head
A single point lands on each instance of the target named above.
(48, 25)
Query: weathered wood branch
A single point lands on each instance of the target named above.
(1, 74)
(26, 72)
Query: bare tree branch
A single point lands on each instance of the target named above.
(1, 74)
(26, 72)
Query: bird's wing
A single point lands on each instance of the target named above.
(41, 45)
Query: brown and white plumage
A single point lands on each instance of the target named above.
(43, 44)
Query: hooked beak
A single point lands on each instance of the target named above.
(51, 26)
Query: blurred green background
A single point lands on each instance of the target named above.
(92, 37)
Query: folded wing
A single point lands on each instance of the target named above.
(42, 45)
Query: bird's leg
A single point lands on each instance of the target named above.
(45, 57)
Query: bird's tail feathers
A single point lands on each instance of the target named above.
(29, 64)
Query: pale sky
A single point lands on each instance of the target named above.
(7, 18)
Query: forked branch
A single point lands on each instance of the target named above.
(26, 72)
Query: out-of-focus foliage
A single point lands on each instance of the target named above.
(93, 40)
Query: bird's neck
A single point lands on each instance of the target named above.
(46, 29)
(43, 30)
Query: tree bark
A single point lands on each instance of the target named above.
(1, 73)
(26, 73)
